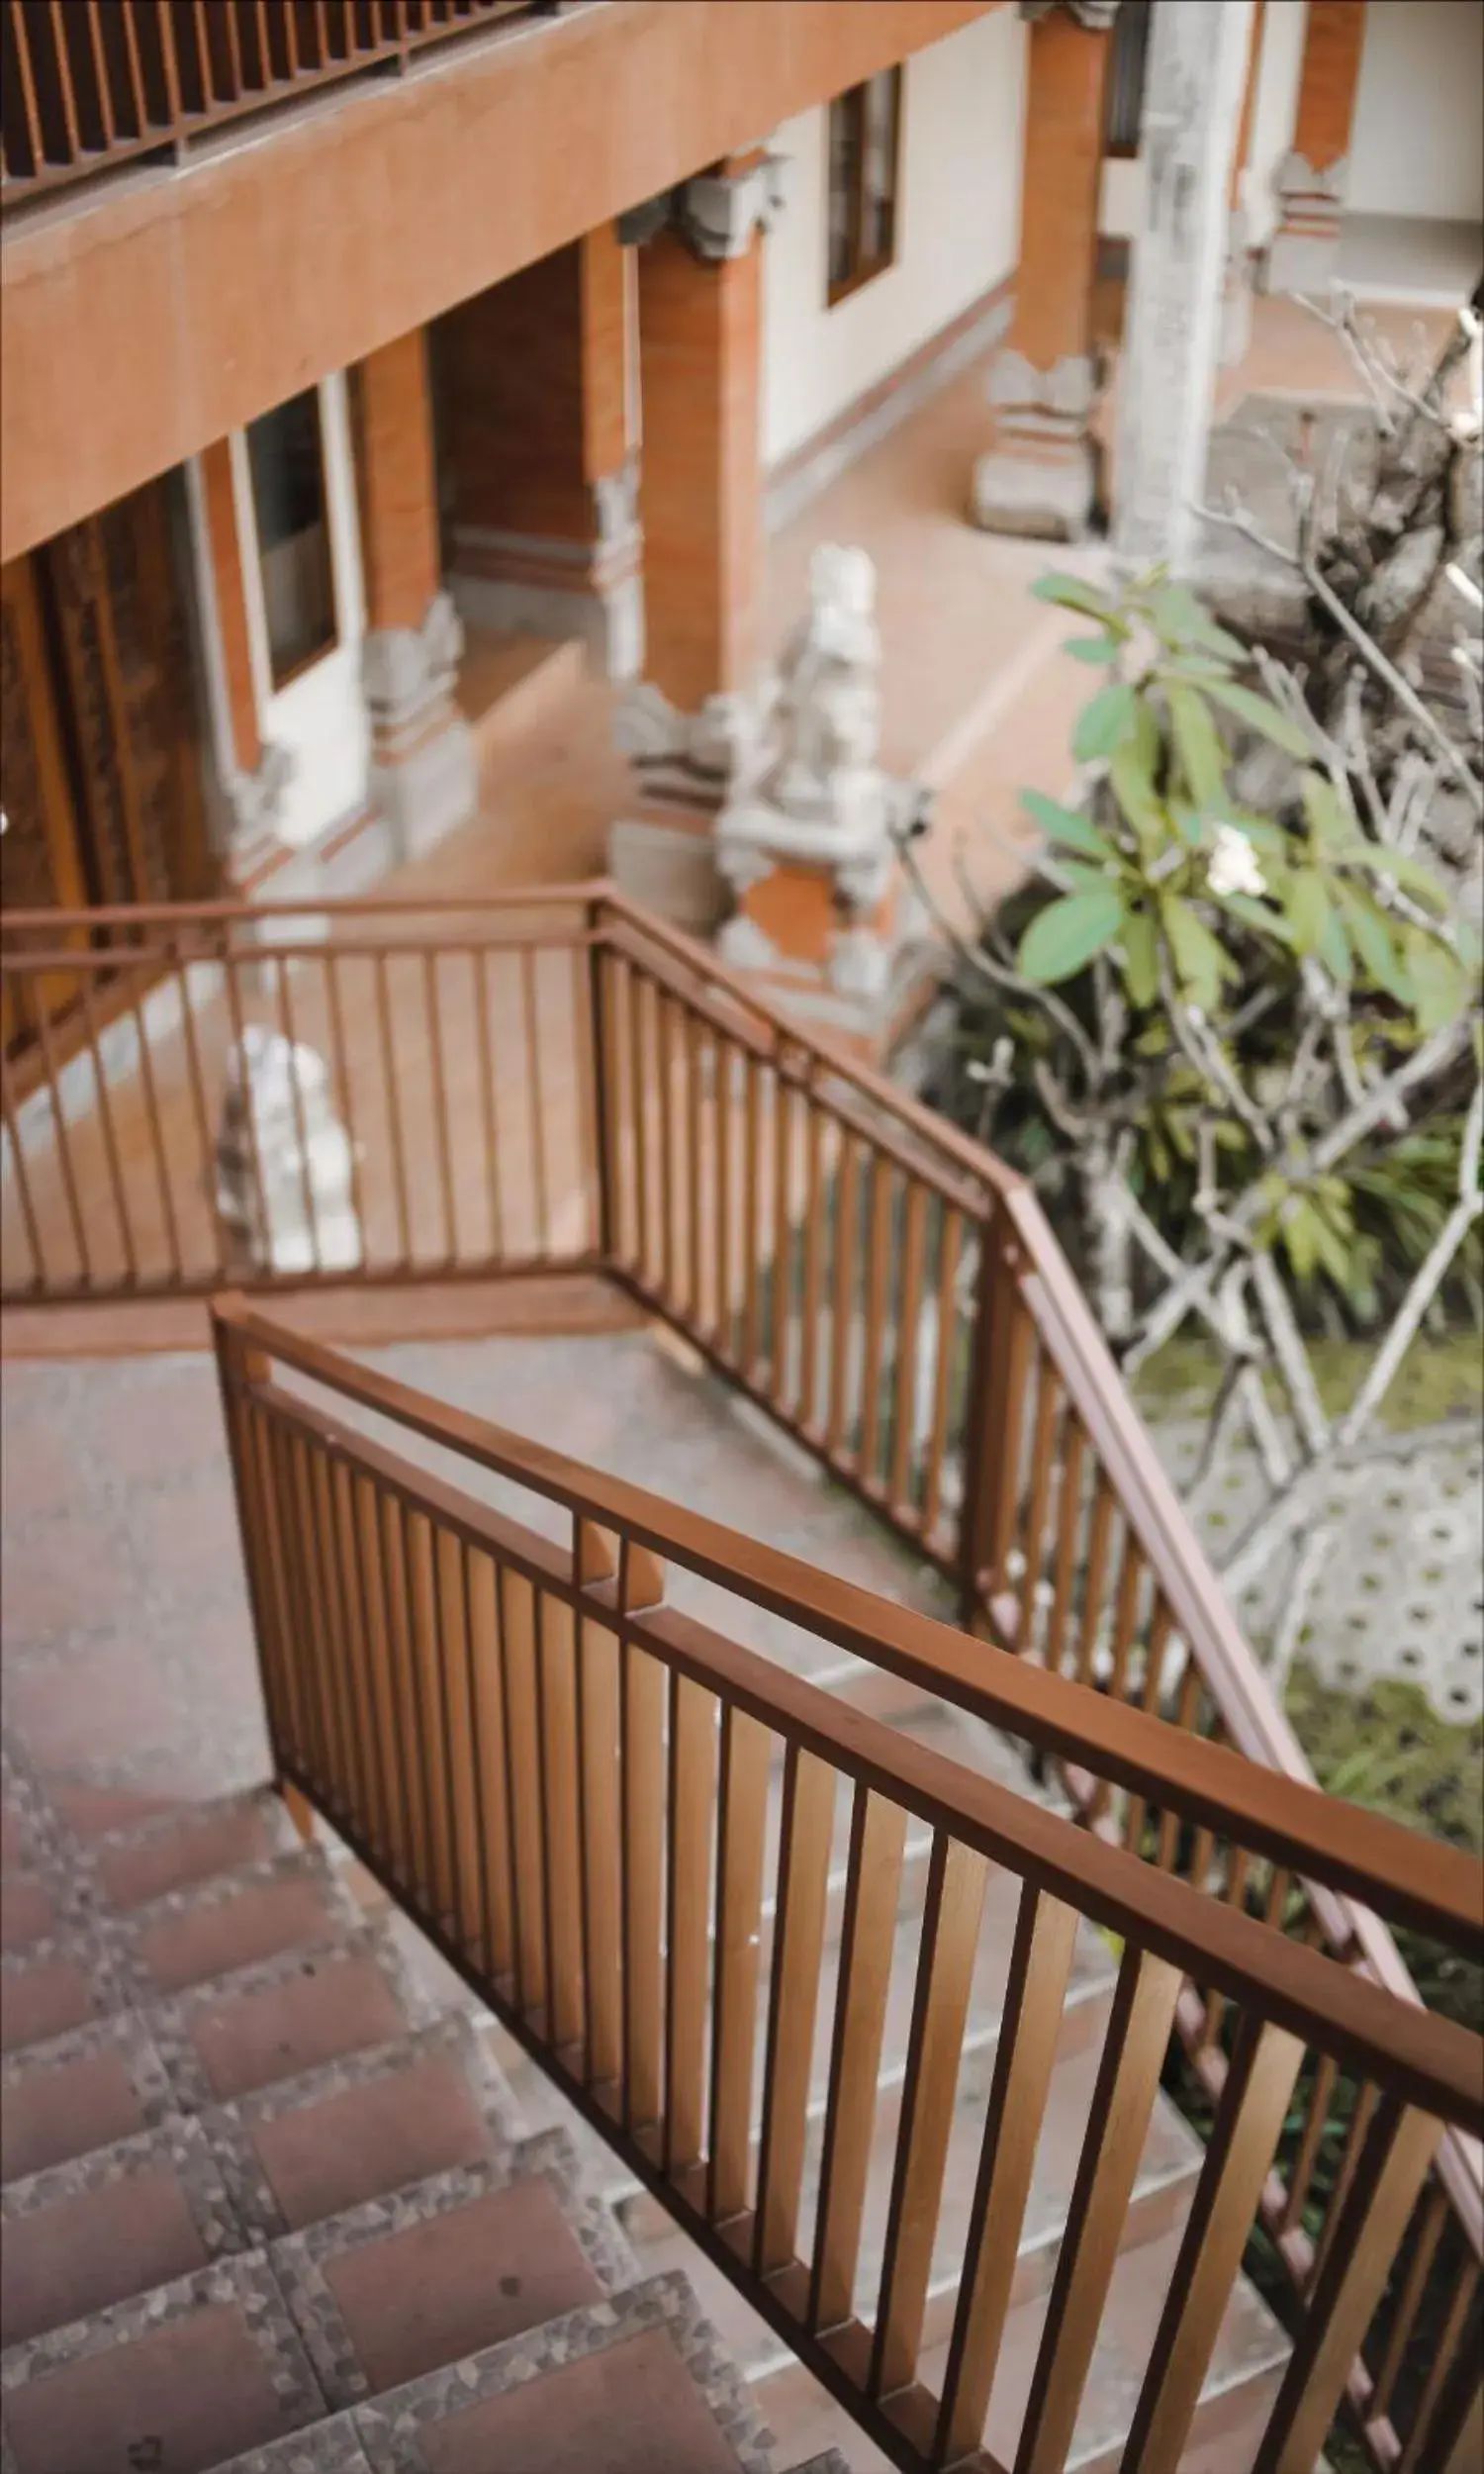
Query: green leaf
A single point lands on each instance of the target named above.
(1064, 936)
(1104, 723)
(1308, 909)
(1082, 876)
(1133, 789)
(1092, 648)
(1257, 914)
(1071, 592)
(1141, 958)
(1180, 617)
(1412, 874)
(1199, 957)
(1370, 934)
(1260, 715)
(1198, 744)
(1438, 979)
(1188, 822)
(1335, 948)
(1332, 820)
(1065, 824)
(1298, 1229)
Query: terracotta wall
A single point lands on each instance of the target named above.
(511, 404)
(209, 293)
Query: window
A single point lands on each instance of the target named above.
(286, 457)
(863, 129)
(1125, 73)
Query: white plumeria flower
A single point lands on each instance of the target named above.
(1235, 867)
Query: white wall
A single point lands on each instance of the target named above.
(957, 231)
(1120, 196)
(1278, 68)
(1418, 145)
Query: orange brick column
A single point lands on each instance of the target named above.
(700, 487)
(700, 512)
(1312, 181)
(1040, 475)
(538, 403)
(422, 768)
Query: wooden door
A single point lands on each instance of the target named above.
(128, 705)
(41, 854)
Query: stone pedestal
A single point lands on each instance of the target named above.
(1303, 252)
(424, 772)
(1041, 476)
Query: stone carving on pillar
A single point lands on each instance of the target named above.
(806, 841)
(717, 214)
(256, 800)
(1305, 250)
(1096, 14)
(1041, 476)
(284, 1167)
(423, 773)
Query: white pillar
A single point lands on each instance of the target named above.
(1197, 72)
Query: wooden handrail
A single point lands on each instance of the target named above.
(1416, 1881)
(1431, 2062)
(567, 1784)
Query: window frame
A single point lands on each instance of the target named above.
(278, 680)
(863, 269)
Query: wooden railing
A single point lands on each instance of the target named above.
(87, 84)
(619, 1822)
(558, 1081)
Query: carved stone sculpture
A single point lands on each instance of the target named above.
(284, 1160)
(811, 813)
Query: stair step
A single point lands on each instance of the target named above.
(287, 2014)
(330, 2447)
(84, 2090)
(1168, 2166)
(633, 2385)
(236, 1919)
(110, 2225)
(1250, 2352)
(29, 1912)
(181, 2378)
(58, 1985)
(187, 1845)
(369, 2122)
(424, 2277)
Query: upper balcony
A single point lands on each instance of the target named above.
(87, 89)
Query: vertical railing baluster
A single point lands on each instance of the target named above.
(741, 1833)
(287, 1032)
(691, 1800)
(781, 1320)
(878, 1276)
(535, 1102)
(65, 1162)
(109, 1133)
(873, 1887)
(950, 1249)
(479, 961)
(797, 1949)
(434, 1011)
(394, 1114)
(22, 1175)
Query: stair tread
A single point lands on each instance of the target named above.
(232, 1920)
(189, 1844)
(96, 2084)
(113, 2223)
(205, 2368)
(286, 2014)
(367, 2123)
(635, 2384)
(332, 2446)
(404, 2284)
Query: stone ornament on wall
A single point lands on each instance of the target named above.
(409, 672)
(717, 214)
(294, 1210)
(256, 799)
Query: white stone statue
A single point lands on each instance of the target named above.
(303, 1216)
(813, 794)
(826, 708)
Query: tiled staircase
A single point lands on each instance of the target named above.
(1251, 2350)
(270, 2201)
(265, 2208)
